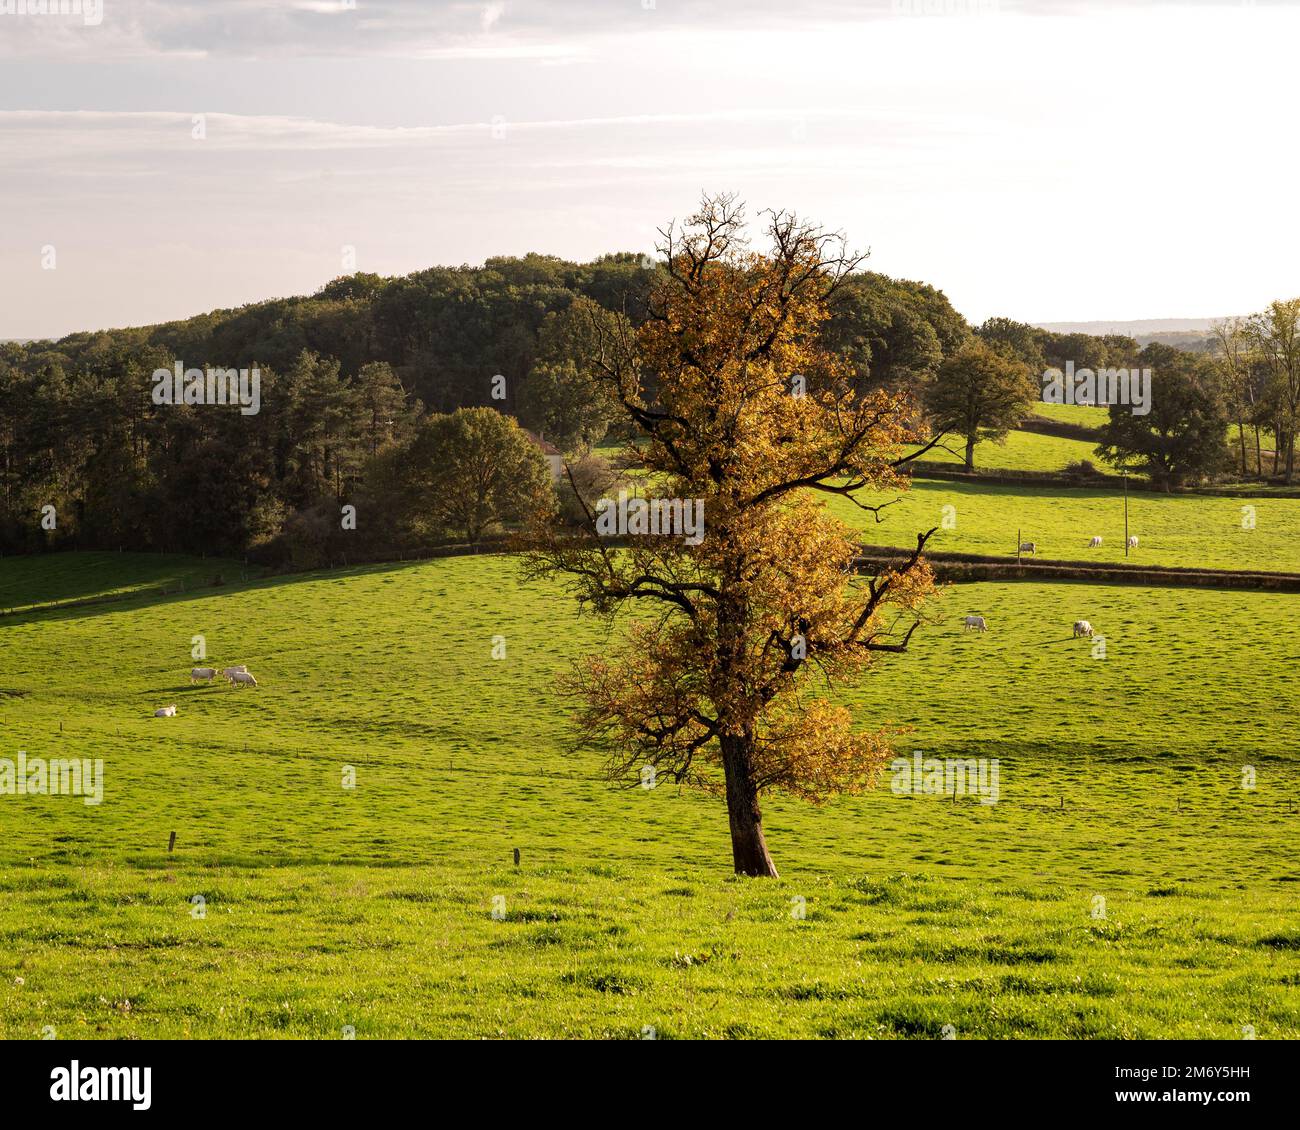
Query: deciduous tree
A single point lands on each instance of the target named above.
(1184, 434)
(980, 392)
(716, 685)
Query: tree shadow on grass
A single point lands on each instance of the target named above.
(92, 607)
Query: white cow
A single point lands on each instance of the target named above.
(1096, 541)
(165, 711)
(1029, 547)
(229, 672)
(974, 623)
(242, 679)
(1133, 541)
(198, 673)
(1082, 628)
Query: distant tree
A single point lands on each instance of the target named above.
(1022, 339)
(1184, 434)
(323, 439)
(590, 476)
(384, 415)
(1275, 335)
(475, 470)
(1232, 349)
(892, 333)
(562, 399)
(980, 392)
(1120, 350)
(359, 285)
(1084, 351)
(621, 283)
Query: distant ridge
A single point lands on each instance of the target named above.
(1135, 328)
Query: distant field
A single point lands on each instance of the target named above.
(1178, 530)
(325, 907)
(1083, 414)
(1022, 451)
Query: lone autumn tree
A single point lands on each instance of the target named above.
(714, 686)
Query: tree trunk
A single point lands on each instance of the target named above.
(748, 847)
(1241, 438)
(970, 453)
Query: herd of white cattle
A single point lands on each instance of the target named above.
(1094, 542)
(979, 624)
(1081, 627)
(239, 676)
(236, 676)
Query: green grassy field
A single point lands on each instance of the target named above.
(1177, 530)
(372, 906)
(28, 582)
(1022, 451)
(1084, 414)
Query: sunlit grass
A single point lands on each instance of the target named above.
(372, 907)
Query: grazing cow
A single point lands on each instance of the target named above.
(198, 673)
(1096, 541)
(1082, 628)
(975, 623)
(1133, 541)
(165, 711)
(228, 672)
(1029, 547)
(242, 679)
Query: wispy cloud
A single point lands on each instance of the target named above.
(1067, 163)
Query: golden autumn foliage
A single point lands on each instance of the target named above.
(740, 407)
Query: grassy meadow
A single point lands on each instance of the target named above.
(1021, 451)
(1177, 530)
(373, 906)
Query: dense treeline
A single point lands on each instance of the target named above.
(357, 380)
(352, 380)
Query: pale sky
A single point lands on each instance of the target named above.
(1047, 161)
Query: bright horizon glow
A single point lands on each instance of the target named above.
(1051, 162)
